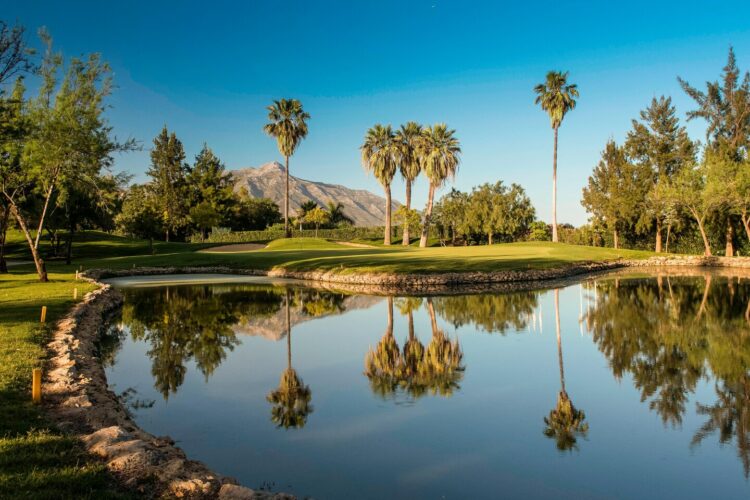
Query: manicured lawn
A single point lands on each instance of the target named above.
(36, 461)
(303, 254)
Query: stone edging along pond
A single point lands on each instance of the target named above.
(79, 401)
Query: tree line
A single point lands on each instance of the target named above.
(660, 185)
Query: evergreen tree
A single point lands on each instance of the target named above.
(615, 191)
(168, 173)
(208, 182)
(661, 146)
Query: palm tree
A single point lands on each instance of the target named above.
(439, 152)
(441, 369)
(556, 97)
(413, 350)
(383, 364)
(291, 400)
(288, 124)
(565, 421)
(336, 209)
(303, 209)
(380, 155)
(408, 138)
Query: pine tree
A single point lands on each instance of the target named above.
(167, 171)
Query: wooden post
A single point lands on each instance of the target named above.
(75, 293)
(76, 275)
(44, 314)
(36, 385)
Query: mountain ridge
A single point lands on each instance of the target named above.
(267, 181)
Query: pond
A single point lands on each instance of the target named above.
(616, 386)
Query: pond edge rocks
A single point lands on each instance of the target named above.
(78, 400)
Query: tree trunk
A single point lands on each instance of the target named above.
(405, 239)
(166, 235)
(657, 246)
(387, 236)
(729, 249)
(427, 217)
(69, 246)
(669, 232)
(559, 340)
(288, 333)
(746, 223)
(489, 238)
(3, 232)
(554, 190)
(616, 239)
(389, 330)
(433, 318)
(287, 232)
(41, 269)
(706, 245)
(411, 325)
(44, 212)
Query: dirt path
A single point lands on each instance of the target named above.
(355, 245)
(234, 248)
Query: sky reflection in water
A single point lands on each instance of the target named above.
(643, 389)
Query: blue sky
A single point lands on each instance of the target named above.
(208, 69)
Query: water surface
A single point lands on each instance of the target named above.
(617, 387)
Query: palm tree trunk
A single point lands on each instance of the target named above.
(287, 232)
(657, 246)
(616, 239)
(387, 236)
(433, 318)
(411, 325)
(427, 217)
(288, 334)
(389, 331)
(41, 269)
(559, 340)
(405, 239)
(554, 190)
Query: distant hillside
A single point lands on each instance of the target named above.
(267, 181)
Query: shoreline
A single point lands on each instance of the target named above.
(79, 401)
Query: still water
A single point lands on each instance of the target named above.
(616, 387)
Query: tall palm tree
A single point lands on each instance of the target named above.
(291, 400)
(565, 421)
(380, 155)
(408, 138)
(556, 96)
(288, 124)
(439, 151)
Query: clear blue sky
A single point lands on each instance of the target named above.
(208, 69)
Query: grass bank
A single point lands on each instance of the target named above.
(36, 461)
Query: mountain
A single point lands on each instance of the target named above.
(274, 327)
(267, 181)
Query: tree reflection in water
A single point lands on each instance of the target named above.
(191, 323)
(415, 371)
(291, 400)
(565, 422)
(670, 332)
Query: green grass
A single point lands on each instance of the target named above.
(36, 461)
(305, 254)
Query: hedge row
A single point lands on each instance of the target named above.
(340, 234)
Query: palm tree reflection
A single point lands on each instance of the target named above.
(415, 370)
(291, 400)
(565, 422)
